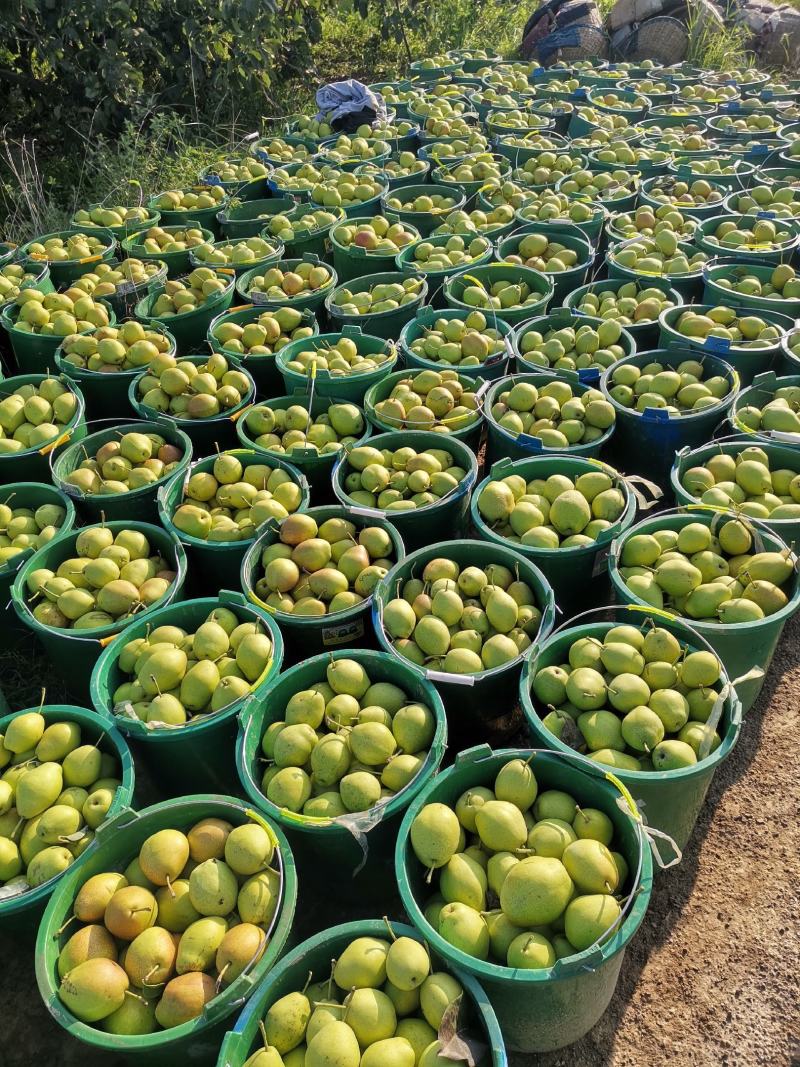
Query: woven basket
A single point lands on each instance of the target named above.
(662, 39)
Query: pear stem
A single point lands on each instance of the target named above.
(388, 925)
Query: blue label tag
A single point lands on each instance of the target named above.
(717, 344)
(759, 149)
(532, 443)
(765, 214)
(262, 155)
(655, 415)
(589, 375)
(734, 105)
(212, 179)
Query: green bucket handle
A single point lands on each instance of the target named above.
(591, 957)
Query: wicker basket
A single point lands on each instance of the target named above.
(663, 39)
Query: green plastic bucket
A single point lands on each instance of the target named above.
(118, 841)
(106, 393)
(353, 261)
(309, 635)
(262, 368)
(33, 464)
(74, 652)
(730, 269)
(201, 752)
(790, 359)
(63, 272)
(20, 913)
(188, 329)
(310, 301)
(350, 387)
(478, 704)
(316, 467)
(424, 221)
(493, 367)
(419, 526)
(669, 801)
(644, 334)
(689, 211)
(314, 957)
(486, 276)
(178, 263)
(27, 495)
(356, 850)
(564, 282)
(647, 441)
(399, 181)
(758, 394)
(740, 178)
(470, 434)
(561, 317)
(501, 443)
(747, 254)
(747, 362)
(781, 457)
(35, 353)
(438, 277)
(240, 188)
(352, 163)
(222, 559)
(312, 242)
(576, 574)
(245, 220)
(746, 649)
(205, 434)
(140, 504)
(205, 216)
(538, 1010)
(689, 285)
(386, 324)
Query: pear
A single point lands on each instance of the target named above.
(38, 788)
(94, 989)
(184, 998)
(362, 964)
(198, 944)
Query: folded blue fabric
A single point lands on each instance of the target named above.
(343, 98)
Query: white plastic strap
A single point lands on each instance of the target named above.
(453, 679)
(359, 824)
(651, 833)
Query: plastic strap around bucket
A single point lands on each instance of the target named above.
(633, 481)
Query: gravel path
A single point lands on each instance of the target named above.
(711, 978)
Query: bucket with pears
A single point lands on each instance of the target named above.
(217, 506)
(464, 614)
(371, 993)
(540, 906)
(664, 400)
(731, 578)
(117, 471)
(643, 694)
(65, 771)
(31, 514)
(560, 512)
(315, 573)
(769, 408)
(176, 683)
(81, 589)
(152, 943)
(335, 754)
(39, 415)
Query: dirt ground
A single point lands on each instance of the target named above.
(711, 978)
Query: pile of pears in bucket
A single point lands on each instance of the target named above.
(552, 413)
(189, 914)
(321, 569)
(706, 575)
(175, 675)
(54, 793)
(780, 413)
(746, 483)
(638, 700)
(345, 744)
(25, 528)
(34, 414)
(230, 501)
(462, 620)
(114, 576)
(400, 480)
(679, 390)
(191, 390)
(136, 460)
(553, 512)
(538, 881)
(381, 1005)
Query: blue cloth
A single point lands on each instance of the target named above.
(345, 98)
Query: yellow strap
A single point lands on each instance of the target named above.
(625, 794)
(62, 440)
(654, 611)
(107, 640)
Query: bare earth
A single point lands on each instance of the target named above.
(711, 978)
